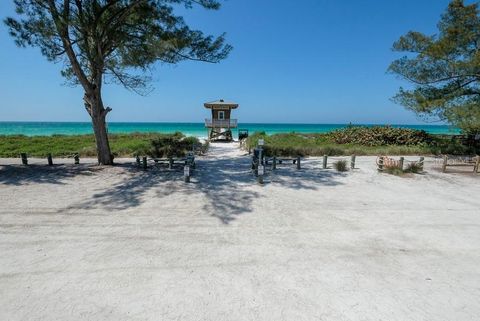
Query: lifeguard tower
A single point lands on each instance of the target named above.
(220, 125)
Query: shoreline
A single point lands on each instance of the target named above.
(192, 129)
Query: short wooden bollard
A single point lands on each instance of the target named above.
(325, 159)
(298, 163)
(400, 163)
(24, 158)
(170, 163)
(49, 160)
(186, 174)
(352, 162)
(421, 162)
(380, 163)
(260, 173)
(274, 163)
(144, 162)
(137, 160)
(77, 159)
(445, 162)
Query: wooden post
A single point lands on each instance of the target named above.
(170, 163)
(298, 163)
(445, 162)
(137, 159)
(325, 158)
(274, 163)
(186, 174)
(259, 164)
(24, 158)
(402, 160)
(421, 162)
(260, 173)
(380, 163)
(352, 162)
(144, 162)
(49, 160)
(76, 159)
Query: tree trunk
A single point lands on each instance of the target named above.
(101, 137)
(94, 106)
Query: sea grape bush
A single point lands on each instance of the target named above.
(380, 136)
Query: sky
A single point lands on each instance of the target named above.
(304, 61)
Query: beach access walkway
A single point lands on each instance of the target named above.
(119, 243)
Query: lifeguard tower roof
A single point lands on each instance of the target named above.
(221, 104)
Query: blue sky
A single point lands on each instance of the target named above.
(305, 61)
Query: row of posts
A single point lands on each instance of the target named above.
(24, 158)
(186, 168)
(259, 167)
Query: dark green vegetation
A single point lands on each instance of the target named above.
(176, 145)
(341, 165)
(444, 69)
(353, 140)
(107, 41)
(125, 145)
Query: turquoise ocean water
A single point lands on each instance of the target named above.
(194, 129)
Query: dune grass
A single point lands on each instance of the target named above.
(292, 144)
(122, 145)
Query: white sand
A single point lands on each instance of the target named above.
(93, 243)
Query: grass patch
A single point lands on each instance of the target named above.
(414, 168)
(394, 171)
(122, 145)
(341, 165)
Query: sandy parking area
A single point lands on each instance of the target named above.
(93, 243)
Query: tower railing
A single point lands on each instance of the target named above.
(221, 123)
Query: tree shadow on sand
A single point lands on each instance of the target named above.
(227, 185)
(230, 186)
(41, 174)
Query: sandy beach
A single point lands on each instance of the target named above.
(119, 243)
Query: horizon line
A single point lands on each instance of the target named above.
(257, 123)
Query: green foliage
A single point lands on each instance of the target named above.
(118, 40)
(394, 171)
(443, 69)
(348, 141)
(176, 145)
(341, 165)
(123, 145)
(379, 136)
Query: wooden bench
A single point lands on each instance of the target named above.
(471, 161)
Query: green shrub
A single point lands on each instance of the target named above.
(174, 145)
(380, 136)
(341, 165)
(394, 171)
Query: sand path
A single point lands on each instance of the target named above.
(93, 243)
